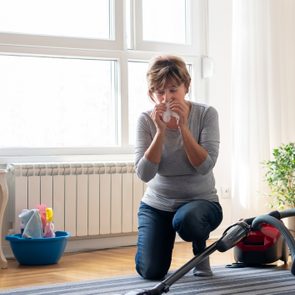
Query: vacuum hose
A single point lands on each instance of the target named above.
(281, 227)
(286, 213)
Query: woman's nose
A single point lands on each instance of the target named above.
(166, 96)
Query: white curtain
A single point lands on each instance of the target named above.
(263, 95)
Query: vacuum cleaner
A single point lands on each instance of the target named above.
(260, 247)
(263, 234)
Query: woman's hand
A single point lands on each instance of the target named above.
(182, 108)
(157, 116)
(154, 151)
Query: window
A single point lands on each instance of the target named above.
(137, 93)
(61, 103)
(164, 21)
(76, 85)
(79, 18)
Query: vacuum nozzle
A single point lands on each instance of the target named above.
(144, 292)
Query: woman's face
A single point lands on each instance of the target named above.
(170, 93)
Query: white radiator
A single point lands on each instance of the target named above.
(88, 199)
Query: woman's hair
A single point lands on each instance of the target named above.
(164, 69)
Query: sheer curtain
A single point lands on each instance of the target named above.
(263, 95)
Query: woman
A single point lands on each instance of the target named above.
(176, 149)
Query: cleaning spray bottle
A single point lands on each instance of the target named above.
(49, 227)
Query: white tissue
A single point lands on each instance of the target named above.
(168, 114)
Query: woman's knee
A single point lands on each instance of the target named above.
(152, 270)
(195, 220)
(191, 227)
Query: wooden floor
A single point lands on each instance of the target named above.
(92, 265)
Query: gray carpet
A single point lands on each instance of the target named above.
(250, 281)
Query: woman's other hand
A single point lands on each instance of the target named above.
(157, 116)
(182, 108)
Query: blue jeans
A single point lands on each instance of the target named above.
(157, 229)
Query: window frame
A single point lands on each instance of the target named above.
(33, 45)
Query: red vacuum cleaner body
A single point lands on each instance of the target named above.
(262, 246)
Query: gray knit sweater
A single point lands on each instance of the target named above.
(174, 181)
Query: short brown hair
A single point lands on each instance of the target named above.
(166, 68)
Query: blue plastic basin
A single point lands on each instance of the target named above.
(41, 251)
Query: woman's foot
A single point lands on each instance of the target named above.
(203, 269)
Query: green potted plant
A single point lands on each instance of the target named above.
(280, 176)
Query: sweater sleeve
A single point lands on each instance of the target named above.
(209, 139)
(145, 130)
